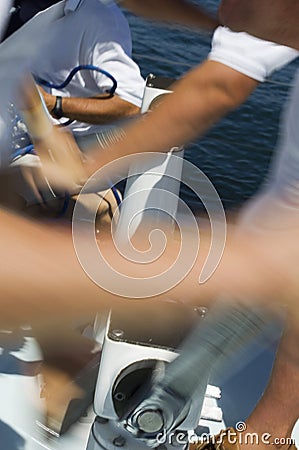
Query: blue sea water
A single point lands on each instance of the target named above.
(235, 154)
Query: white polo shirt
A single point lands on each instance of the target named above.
(90, 33)
(249, 55)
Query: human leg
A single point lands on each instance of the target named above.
(278, 410)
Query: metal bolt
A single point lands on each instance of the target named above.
(150, 421)
(150, 77)
(117, 334)
(119, 396)
(119, 441)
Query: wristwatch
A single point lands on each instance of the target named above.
(57, 110)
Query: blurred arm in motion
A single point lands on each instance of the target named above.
(275, 20)
(180, 12)
(199, 99)
(236, 64)
(42, 279)
(60, 157)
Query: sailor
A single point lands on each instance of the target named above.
(105, 90)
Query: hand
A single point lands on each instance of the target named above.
(60, 156)
(61, 159)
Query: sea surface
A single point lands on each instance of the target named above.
(236, 152)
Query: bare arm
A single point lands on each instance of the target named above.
(96, 110)
(173, 11)
(275, 20)
(41, 278)
(199, 100)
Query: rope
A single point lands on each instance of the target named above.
(73, 73)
